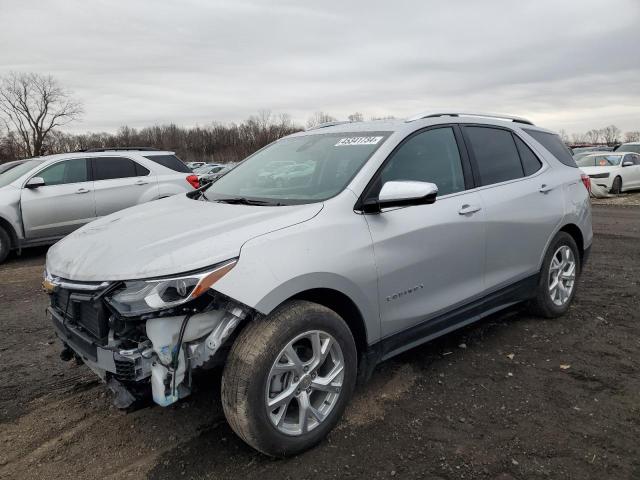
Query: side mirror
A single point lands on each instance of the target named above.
(401, 194)
(35, 182)
(627, 163)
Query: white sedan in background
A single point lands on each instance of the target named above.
(616, 172)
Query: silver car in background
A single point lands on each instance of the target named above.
(395, 233)
(46, 198)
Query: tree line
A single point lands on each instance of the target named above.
(33, 107)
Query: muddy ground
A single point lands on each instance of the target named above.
(511, 397)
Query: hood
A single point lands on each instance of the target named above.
(166, 237)
(594, 170)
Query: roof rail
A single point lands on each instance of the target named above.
(328, 124)
(461, 114)
(118, 149)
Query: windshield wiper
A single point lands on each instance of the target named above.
(246, 201)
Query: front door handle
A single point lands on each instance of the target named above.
(467, 209)
(544, 188)
(82, 190)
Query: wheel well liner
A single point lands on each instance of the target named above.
(573, 230)
(4, 224)
(343, 306)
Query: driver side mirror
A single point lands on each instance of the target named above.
(627, 163)
(401, 194)
(35, 182)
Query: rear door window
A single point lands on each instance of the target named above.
(108, 168)
(169, 161)
(555, 145)
(496, 155)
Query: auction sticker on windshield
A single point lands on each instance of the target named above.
(344, 142)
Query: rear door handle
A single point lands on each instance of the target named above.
(544, 188)
(141, 182)
(82, 190)
(467, 209)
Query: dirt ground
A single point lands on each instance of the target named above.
(512, 397)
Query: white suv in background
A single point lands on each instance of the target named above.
(43, 199)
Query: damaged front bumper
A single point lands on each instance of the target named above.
(156, 353)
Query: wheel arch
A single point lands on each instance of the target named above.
(575, 232)
(7, 227)
(343, 306)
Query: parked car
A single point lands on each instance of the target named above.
(45, 198)
(5, 167)
(194, 165)
(213, 175)
(614, 171)
(407, 231)
(628, 147)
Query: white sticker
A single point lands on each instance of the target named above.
(344, 142)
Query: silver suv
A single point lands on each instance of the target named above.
(45, 198)
(400, 232)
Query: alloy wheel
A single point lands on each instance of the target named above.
(304, 382)
(562, 275)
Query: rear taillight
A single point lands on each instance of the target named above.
(193, 181)
(586, 181)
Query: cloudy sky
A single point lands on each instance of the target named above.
(566, 64)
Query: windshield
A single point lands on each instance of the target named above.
(599, 161)
(16, 172)
(304, 169)
(629, 147)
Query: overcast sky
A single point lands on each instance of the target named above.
(572, 64)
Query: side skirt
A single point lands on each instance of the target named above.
(449, 321)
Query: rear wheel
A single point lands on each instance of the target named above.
(5, 244)
(557, 283)
(617, 185)
(289, 377)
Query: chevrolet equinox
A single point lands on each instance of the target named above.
(319, 256)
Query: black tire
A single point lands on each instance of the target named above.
(542, 305)
(616, 187)
(5, 244)
(246, 373)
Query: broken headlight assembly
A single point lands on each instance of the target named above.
(139, 297)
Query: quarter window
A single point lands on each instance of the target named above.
(108, 168)
(67, 171)
(555, 145)
(429, 156)
(530, 162)
(495, 153)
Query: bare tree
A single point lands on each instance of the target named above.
(578, 138)
(356, 117)
(611, 135)
(564, 136)
(632, 136)
(319, 118)
(33, 105)
(593, 136)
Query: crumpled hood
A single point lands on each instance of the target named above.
(595, 170)
(165, 237)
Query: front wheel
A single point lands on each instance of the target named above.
(289, 377)
(558, 277)
(617, 185)
(5, 245)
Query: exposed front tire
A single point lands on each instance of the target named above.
(289, 377)
(558, 276)
(616, 187)
(5, 244)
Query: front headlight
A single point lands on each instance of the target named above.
(144, 296)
